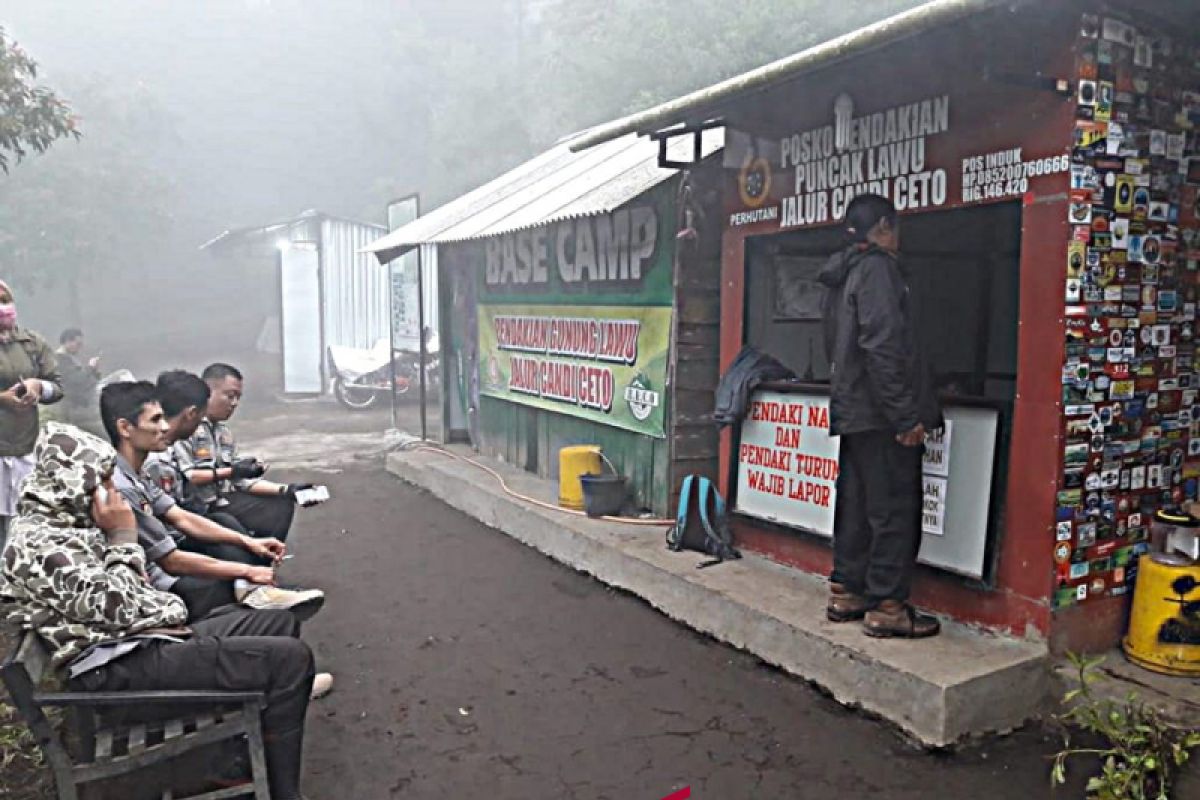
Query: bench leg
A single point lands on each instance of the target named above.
(258, 756)
(65, 783)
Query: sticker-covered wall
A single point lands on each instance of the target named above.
(1131, 410)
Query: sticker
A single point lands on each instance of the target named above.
(1159, 211)
(1081, 592)
(1121, 390)
(1087, 95)
(1176, 145)
(1143, 53)
(1114, 30)
(1087, 534)
(1062, 553)
(1160, 335)
(1079, 211)
(1141, 202)
(1076, 258)
(1158, 143)
(1120, 231)
(1063, 531)
(1104, 103)
(1123, 194)
(1089, 26)
(1135, 249)
(1073, 293)
(1079, 570)
(1137, 479)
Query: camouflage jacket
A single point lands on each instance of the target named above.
(59, 574)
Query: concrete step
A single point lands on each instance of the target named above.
(940, 691)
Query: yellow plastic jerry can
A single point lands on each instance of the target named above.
(1164, 625)
(573, 462)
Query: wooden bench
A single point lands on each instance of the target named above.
(106, 752)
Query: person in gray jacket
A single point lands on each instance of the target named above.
(881, 405)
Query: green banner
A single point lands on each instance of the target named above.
(603, 363)
(619, 259)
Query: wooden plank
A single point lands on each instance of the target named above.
(204, 721)
(697, 375)
(707, 334)
(33, 654)
(695, 447)
(699, 307)
(172, 729)
(104, 744)
(137, 740)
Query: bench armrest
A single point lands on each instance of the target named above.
(129, 698)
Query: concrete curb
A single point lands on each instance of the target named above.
(939, 691)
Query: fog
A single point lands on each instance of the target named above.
(198, 117)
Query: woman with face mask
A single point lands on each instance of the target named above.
(28, 378)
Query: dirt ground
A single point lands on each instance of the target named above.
(470, 666)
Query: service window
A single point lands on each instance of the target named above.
(963, 270)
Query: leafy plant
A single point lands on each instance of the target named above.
(31, 116)
(16, 742)
(1141, 752)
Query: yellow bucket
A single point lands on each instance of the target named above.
(1164, 626)
(573, 462)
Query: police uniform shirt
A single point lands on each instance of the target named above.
(148, 502)
(210, 447)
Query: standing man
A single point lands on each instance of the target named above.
(225, 483)
(81, 405)
(881, 405)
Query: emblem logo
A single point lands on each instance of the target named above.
(641, 397)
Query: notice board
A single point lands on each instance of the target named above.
(787, 474)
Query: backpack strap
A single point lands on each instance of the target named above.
(718, 540)
(675, 532)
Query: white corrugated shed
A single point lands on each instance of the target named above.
(354, 286)
(557, 184)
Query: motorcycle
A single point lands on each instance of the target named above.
(361, 377)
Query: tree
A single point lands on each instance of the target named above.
(93, 220)
(31, 116)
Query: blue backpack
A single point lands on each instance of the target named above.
(701, 523)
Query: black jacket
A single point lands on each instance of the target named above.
(749, 369)
(878, 376)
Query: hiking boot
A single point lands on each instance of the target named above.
(322, 685)
(892, 619)
(844, 605)
(303, 603)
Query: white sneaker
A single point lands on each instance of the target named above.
(303, 603)
(322, 685)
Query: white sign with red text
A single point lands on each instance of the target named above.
(787, 473)
(787, 461)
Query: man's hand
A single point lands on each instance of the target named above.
(22, 394)
(272, 549)
(94, 362)
(112, 514)
(261, 575)
(247, 468)
(293, 488)
(912, 438)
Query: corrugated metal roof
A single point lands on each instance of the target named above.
(558, 184)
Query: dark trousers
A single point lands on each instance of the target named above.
(877, 520)
(204, 595)
(236, 649)
(261, 515)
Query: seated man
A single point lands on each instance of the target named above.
(215, 475)
(237, 567)
(73, 572)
